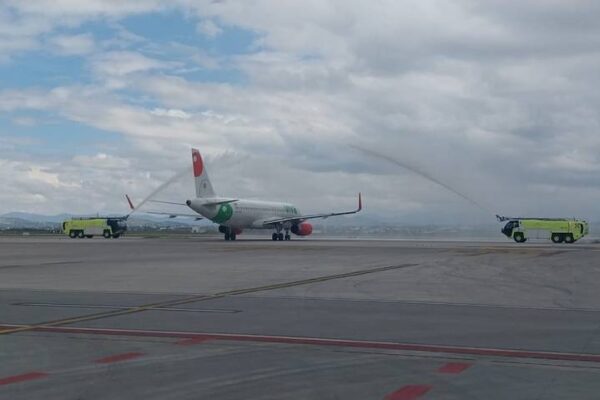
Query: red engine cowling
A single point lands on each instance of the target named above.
(303, 229)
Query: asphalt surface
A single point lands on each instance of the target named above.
(199, 318)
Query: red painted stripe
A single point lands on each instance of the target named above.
(192, 341)
(118, 358)
(408, 392)
(477, 351)
(453, 368)
(22, 378)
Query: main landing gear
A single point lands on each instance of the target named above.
(228, 233)
(230, 236)
(280, 236)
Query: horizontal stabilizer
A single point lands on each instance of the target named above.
(167, 202)
(175, 215)
(217, 203)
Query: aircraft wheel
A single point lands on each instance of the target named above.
(227, 237)
(569, 238)
(557, 238)
(116, 235)
(72, 234)
(519, 237)
(280, 236)
(80, 235)
(287, 237)
(274, 236)
(232, 236)
(106, 234)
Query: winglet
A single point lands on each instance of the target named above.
(130, 203)
(359, 202)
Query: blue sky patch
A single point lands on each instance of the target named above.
(169, 37)
(56, 137)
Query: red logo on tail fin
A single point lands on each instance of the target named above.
(198, 165)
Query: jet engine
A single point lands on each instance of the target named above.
(303, 229)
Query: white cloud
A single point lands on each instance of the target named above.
(172, 113)
(101, 161)
(208, 28)
(72, 44)
(87, 8)
(121, 63)
(43, 176)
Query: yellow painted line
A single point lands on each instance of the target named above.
(196, 298)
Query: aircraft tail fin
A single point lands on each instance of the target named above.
(203, 186)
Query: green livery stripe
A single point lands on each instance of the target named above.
(224, 214)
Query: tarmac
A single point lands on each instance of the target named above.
(201, 318)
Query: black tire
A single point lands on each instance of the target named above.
(274, 236)
(80, 235)
(280, 236)
(106, 234)
(569, 238)
(72, 234)
(227, 236)
(116, 235)
(288, 237)
(232, 236)
(519, 237)
(557, 238)
(89, 236)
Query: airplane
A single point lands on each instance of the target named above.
(234, 215)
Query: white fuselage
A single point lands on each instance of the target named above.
(242, 214)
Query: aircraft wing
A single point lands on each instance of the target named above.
(175, 215)
(301, 218)
(209, 202)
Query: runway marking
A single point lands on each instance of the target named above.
(118, 358)
(40, 264)
(197, 298)
(454, 368)
(123, 307)
(193, 341)
(22, 378)
(409, 392)
(313, 341)
(426, 303)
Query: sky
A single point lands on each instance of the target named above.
(497, 100)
